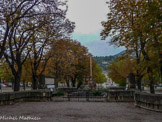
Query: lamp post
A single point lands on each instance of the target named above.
(0, 85)
(91, 67)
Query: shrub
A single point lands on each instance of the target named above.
(59, 93)
(79, 84)
(97, 92)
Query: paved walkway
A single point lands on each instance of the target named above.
(78, 112)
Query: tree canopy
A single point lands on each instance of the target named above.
(136, 24)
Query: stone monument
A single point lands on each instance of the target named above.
(131, 81)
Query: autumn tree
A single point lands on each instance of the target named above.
(57, 28)
(118, 70)
(131, 23)
(25, 18)
(11, 13)
(81, 65)
(70, 62)
(65, 60)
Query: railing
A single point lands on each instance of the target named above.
(144, 100)
(111, 95)
(121, 95)
(67, 89)
(149, 101)
(85, 96)
(116, 88)
(35, 95)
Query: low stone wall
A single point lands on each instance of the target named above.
(116, 88)
(149, 101)
(67, 89)
(109, 96)
(121, 95)
(14, 97)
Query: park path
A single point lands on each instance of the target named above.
(80, 112)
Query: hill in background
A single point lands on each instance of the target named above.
(103, 61)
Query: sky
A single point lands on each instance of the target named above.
(88, 15)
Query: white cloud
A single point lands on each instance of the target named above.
(87, 14)
(96, 46)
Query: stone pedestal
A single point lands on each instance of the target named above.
(131, 81)
(91, 82)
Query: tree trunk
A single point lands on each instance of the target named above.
(149, 69)
(56, 75)
(56, 83)
(17, 78)
(73, 83)
(34, 84)
(2, 46)
(17, 82)
(160, 55)
(34, 81)
(24, 85)
(73, 80)
(67, 82)
(152, 90)
(138, 74)
(139, 77)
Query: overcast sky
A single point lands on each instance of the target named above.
(88, 15)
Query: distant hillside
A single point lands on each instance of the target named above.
(103, 61)
(119, 54)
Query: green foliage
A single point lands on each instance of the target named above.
(5, 72)
(59, 93)
(122, 84)
(97, 73)
(97, 92)
(79, 84)
(120, 69)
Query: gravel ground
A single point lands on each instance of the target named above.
(77, 112)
